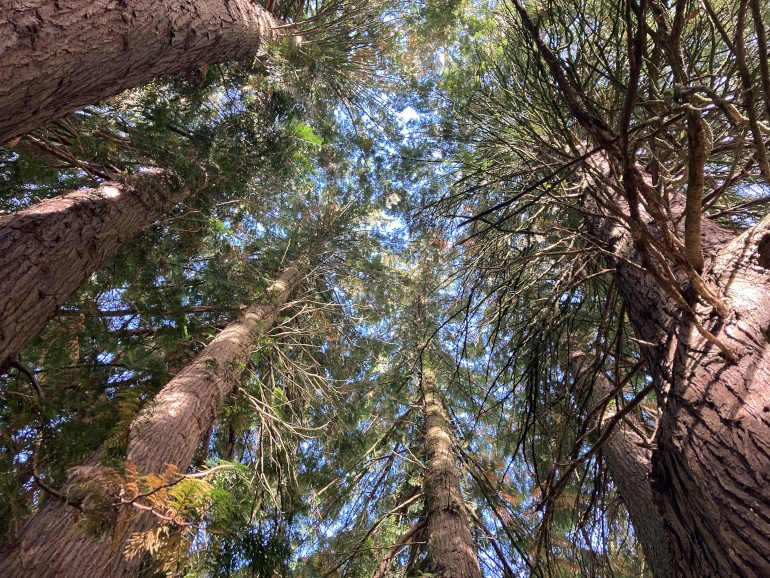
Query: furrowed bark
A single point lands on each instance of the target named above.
(61, 56)
(711, 364)
(711, 466)
(167, 432)
(630, 466)
(450, 546)
(48, 251)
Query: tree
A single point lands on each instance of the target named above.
(166, 435)
(206, 251)
(60, 59)
(51, 249)
(317, 462)
(628, 461)
(450, 547)
(605, 139)
(58, 244)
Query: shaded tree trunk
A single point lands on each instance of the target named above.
(61, 56)
(169, 432)
(451, 549)
(630, 466)
(48, 251)
(711, 465)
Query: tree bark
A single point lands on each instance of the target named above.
(451, 550)
(711, 465)
(630, 465)
(167, 432)
(48, 251)
(61, 56)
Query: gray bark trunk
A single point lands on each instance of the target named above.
(630, 466)
(167, 432)
(451, 549)
(48, 251)
(711, 466)
(58, 57)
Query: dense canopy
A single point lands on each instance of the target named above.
(369, 289)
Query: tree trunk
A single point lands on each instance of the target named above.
(48, 251)
(630, 466)
(711, 466)
(451, 550)
(61, 56)
(167, 432)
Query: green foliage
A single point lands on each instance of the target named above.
(459, 237)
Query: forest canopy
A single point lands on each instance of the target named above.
(371, 289)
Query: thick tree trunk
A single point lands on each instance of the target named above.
(58, 57)
(167, 432)
(451, 549)
(711, 467)
(48, 251)
(630, 465)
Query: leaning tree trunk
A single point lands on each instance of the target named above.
(58, 57)
(451, 550)
(711, 465)
(168, 432)
(48, 251)
(630, 465)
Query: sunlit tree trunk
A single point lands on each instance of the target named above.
(630, 465)
(48, 251)
(168, 432)
(451, 549)
(58, 57)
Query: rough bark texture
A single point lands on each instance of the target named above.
(48, 251)
(711, 467)
(61, 56)
(451, 549)
(167, 432)
(630, 466)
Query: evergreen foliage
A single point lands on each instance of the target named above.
(457, 238)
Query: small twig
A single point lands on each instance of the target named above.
(606, 432)
(740, 207)
(77, 504)
(492, 541)
(383, 568)
(181, 477)
(30, 374)
(176, 520)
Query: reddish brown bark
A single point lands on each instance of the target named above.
(630, 465)
(48, 251)
(58, 57)
(451, 549)
(169, 431)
